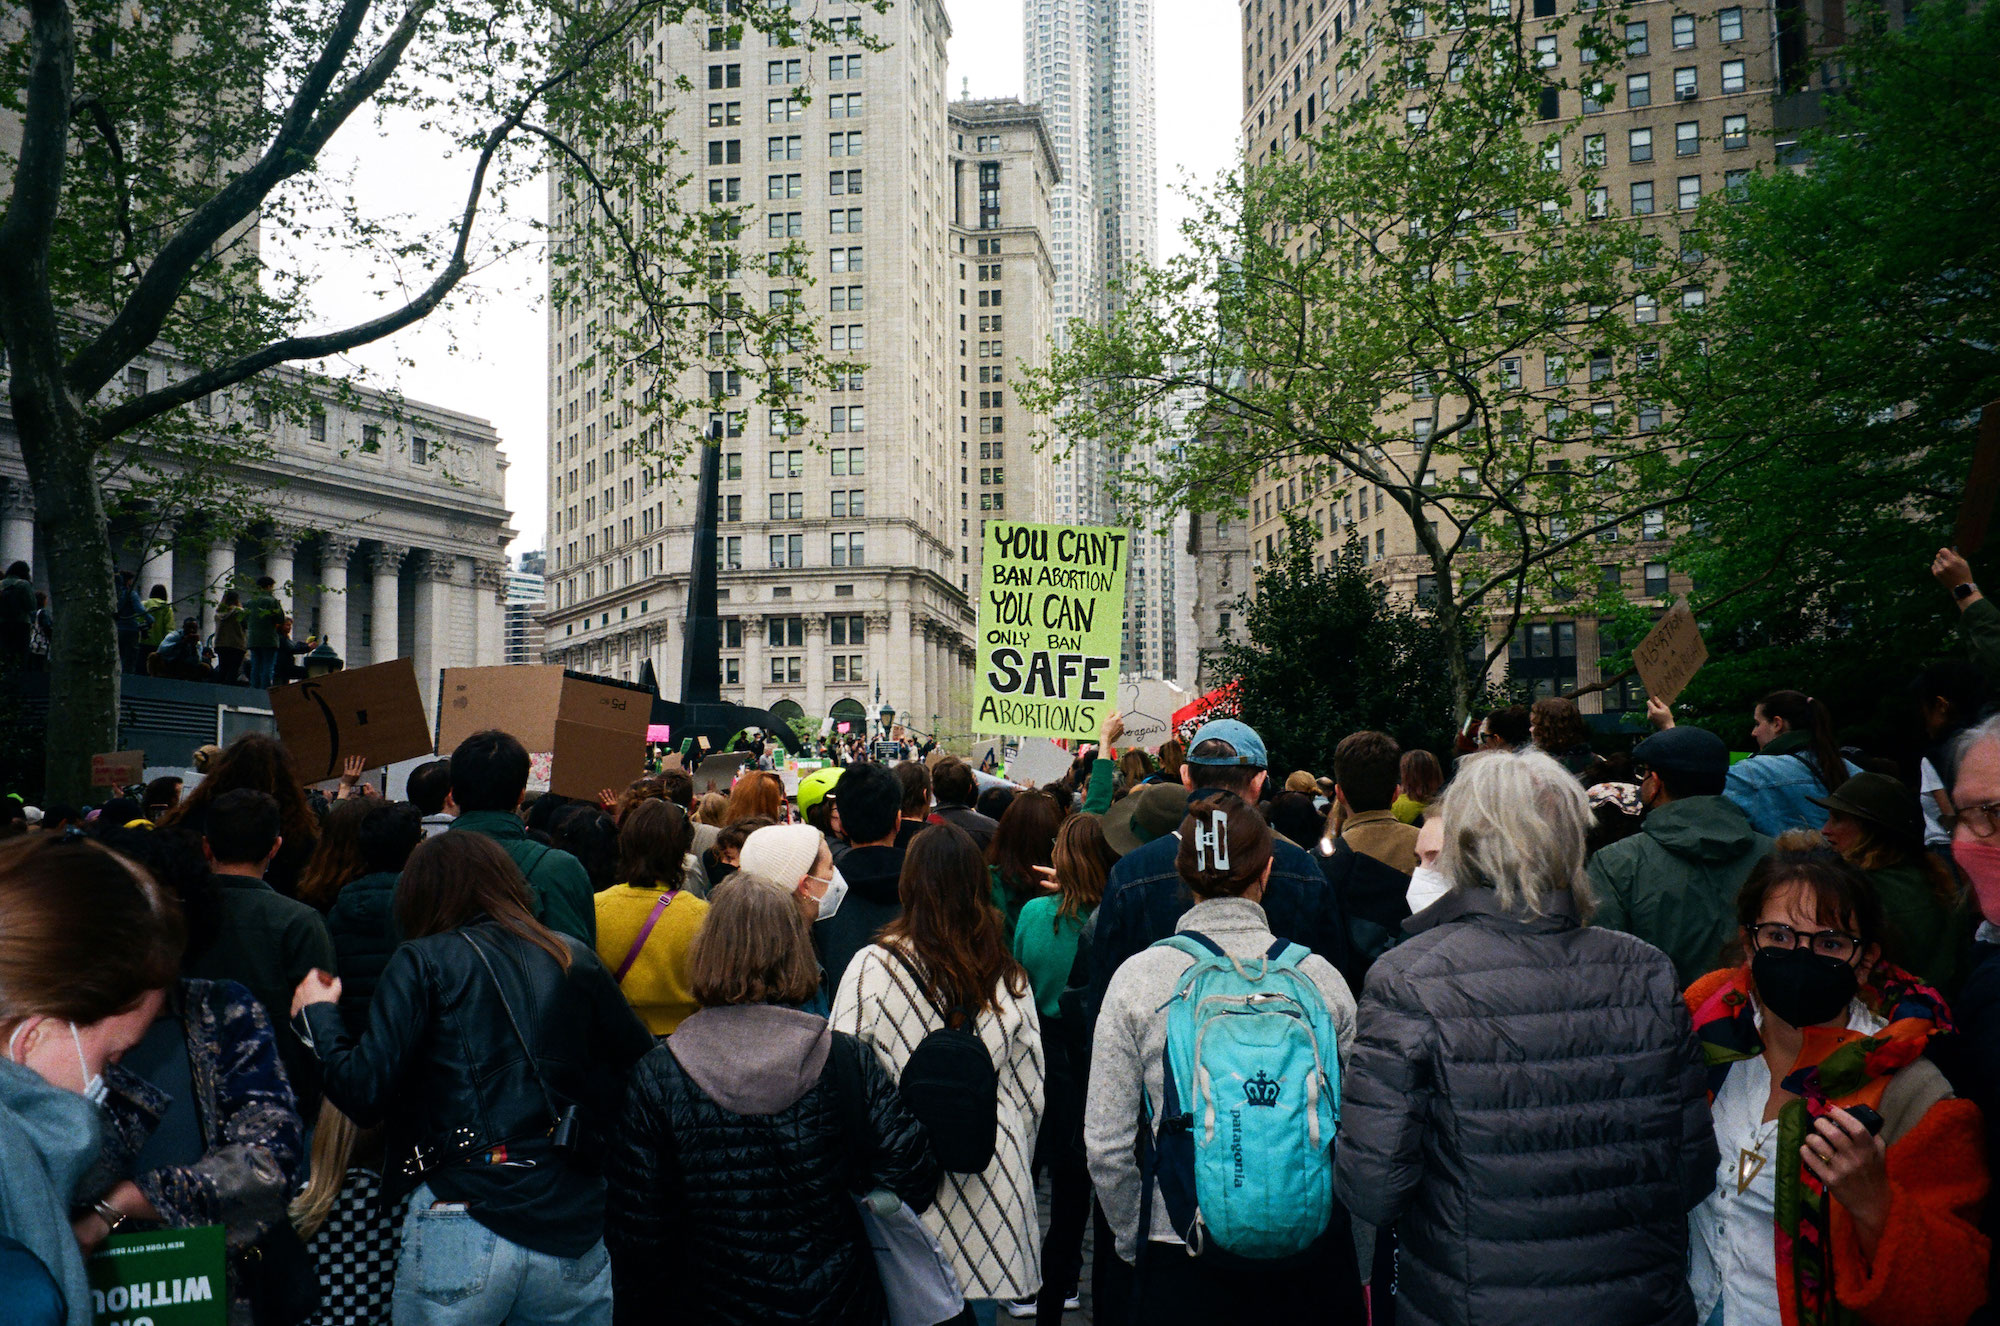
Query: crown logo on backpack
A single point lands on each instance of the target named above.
(1262, 1090)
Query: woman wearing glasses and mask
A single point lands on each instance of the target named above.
(1850, 1178)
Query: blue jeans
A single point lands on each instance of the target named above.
(263, 668)
(453, 1271)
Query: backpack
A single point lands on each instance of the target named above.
(1241, 1146)
(950, 1086)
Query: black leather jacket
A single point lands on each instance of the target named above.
(442, 1069)
(740, 1220)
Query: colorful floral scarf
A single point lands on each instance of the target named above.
(1835, 1067)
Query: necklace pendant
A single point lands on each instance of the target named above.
(1749, 1164)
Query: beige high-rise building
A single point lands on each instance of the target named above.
(1688, 113)
(843, 584)
(1003, 174)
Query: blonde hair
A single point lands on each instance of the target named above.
(711, 808)
(753, 947)
(1516, 822)
(332, 1147)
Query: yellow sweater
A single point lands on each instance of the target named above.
(657, 986)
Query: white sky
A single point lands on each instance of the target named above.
(497, 368)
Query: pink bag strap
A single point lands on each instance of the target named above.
(645, 933)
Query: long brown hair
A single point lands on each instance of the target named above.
(84, 933)
(261, 763)
(337, 861)
(756, 793)
(652, 845)
(753, 947)
(455, 879)
(1025, 839)
(949, 927)
(1083, 861)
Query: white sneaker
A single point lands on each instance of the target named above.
(1019, 1308)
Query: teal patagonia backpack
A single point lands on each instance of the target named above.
(1242, 1146)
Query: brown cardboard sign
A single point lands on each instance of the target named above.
(118, 769)
(1982, 486)
(594, 730)
(1670, 655)
(375, 712)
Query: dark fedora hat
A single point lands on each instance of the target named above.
(1149, 812)
(1878, 800)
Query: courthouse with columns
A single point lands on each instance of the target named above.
(386, 528)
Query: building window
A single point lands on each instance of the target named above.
(723, 152)
(732, 671)
(844, 221)
(1729, 23)
(420, 450)
(1656, 579)
(315, 423)
(847, 630)
(1733, 76)
(781, 110)
(844, 106)
(790, 147)
(843, 67)
(1636, 42)
(1639, 145)
(849, 503)
(722, 114)
(1638, 90)
(785, 670)
(1645, 308)
(1734, 184)
(725, 75)
(784, 71)
(1683, 32)
(1735, 132)
(1687, 84)
(843, 182)
(847, 549)
(1542, 656)
(846, 144)
(1687, 138)
(1687, 192)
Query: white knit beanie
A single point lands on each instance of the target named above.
(782, 852)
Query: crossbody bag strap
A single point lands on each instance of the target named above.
(548, 1100)
(645, 933)
(843, 1064)
(944, 1014)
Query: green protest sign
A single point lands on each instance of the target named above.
(1051, 608)
(164, 1277)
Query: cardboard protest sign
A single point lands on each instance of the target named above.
(593, 730)
(718, 773)
(1670, 655)
(170, 1277)
(118, 769)
(1051, 605)
(1982, 487)
(1039, 761)
(1149, 706)
(375, 712)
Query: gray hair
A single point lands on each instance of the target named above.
(1972, 736)
(1516, 822)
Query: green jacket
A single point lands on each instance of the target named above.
(557, 881)
(1674, 883)
(262, 616)
(1923, 940)
(1980, 625)
(268, 943)
(163, 621)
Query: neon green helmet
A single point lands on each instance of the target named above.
(814, 787)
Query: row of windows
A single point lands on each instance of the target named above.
(843, 463)
(849, 503)
(791, 225)
(788, 551)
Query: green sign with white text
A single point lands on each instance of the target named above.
(164, 1277)
(1051, 611)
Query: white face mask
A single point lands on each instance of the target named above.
(836, 889)
(1426, 887)
(94, 1089)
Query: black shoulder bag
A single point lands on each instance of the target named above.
(567, 1135)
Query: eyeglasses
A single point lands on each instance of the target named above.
(1826, 943)
(1983, 819)
(1642, 771)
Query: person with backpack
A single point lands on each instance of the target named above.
(1525, 1100)
(1215, 1084)
(495, 1057)
(951, 1015)
(747, 1136)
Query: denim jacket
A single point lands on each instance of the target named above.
(1772, 787)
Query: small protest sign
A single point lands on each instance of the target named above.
(718, 773)
(118, 769)
(375, 712)
(1148, 707)
(1039, 761)
(1051, 606)
(593, 729)
(1670, 655)
(170, 1277)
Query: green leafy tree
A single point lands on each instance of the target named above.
(1433, 310)
(1328, 652)
(171, 153)
(1856, 340)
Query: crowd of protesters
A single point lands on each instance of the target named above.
(1529, 1031)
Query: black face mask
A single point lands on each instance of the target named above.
(1800, 986)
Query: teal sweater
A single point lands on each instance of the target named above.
(1045, 944)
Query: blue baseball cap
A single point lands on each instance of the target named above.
(1246, 748)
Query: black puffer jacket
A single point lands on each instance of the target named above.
(363, 925)
(731, 1176)
(443, 1069)
(1527, 1100)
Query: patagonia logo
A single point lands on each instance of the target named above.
(1262, 1090)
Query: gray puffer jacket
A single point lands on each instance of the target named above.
(1527, 1099)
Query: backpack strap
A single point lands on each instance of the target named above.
(843, 1067)
(1193, 943)
(923, 988)
(645, 933)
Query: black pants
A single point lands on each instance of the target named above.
(229, 666)
(1321, 1288)
(1110, 1274)
(1061, 1151)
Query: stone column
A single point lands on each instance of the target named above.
(17, 526)
(878, 662)
(280, 563)
(815, 701)
(387, 563)
(334, 551)
(157, 567)
(489, 614)
(899, 682)
(221, 572)
(433, 626)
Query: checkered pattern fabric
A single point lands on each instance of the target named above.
(985, 1222)
(355, 1251)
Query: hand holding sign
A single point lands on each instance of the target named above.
(1051, 604)
(1670, 655)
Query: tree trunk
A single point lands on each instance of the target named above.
(83, 657)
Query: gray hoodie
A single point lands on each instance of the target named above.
(1129, 1052)
(48, 1138)
(753, 1059)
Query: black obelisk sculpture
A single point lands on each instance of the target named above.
(701, 647)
